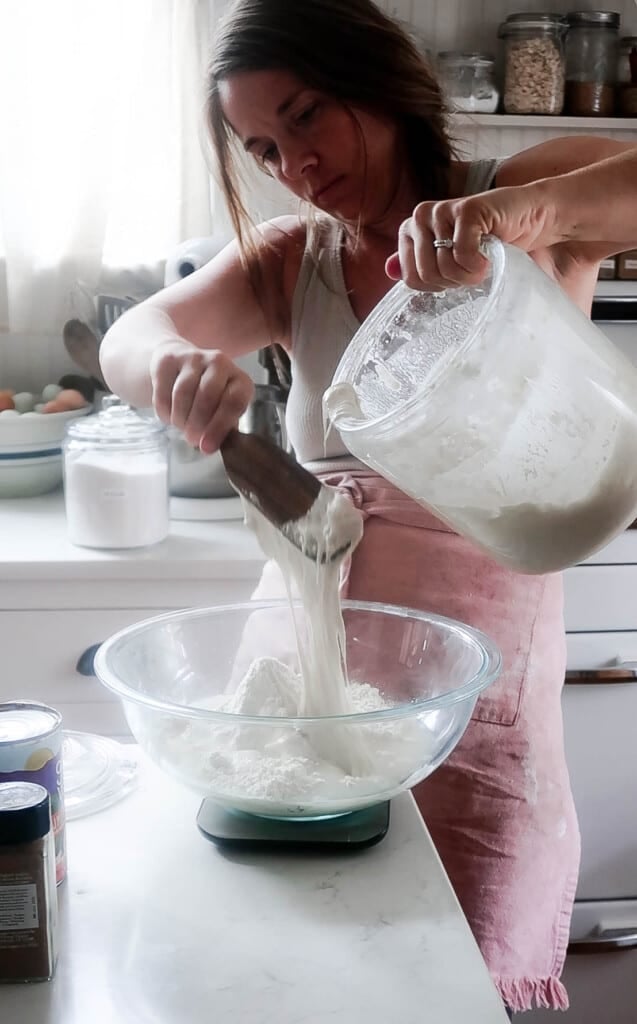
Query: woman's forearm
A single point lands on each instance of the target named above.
(128, 348)
(595, 203)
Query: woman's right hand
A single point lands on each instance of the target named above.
(199, 391)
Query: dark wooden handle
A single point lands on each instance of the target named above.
(268, 477)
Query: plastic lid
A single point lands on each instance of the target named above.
(98, 771)
(25, 812)
(117, 425)
(26, 720)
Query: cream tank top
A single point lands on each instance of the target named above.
(323, 324)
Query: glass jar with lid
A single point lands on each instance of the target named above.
(533, 63)
(468, 81)
(116, 478)
(591, 63)
(627, 76)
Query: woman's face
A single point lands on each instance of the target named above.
(341, 160)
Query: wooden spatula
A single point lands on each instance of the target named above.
(83, 347)
(280, 488)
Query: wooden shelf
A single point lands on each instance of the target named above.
(628, 124)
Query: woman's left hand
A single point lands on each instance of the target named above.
(514, 214)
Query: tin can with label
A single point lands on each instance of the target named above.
(31, 751)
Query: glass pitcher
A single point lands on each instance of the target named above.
(501, 408)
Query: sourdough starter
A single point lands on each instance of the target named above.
(524, 441)
(331, 766)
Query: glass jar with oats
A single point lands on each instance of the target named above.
(534, 66)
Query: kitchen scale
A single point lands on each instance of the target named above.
(355, 830)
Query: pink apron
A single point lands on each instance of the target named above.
(499, 810)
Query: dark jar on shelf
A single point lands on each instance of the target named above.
(627, 76)
(591, 63)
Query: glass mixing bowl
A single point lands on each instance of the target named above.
(414, 681)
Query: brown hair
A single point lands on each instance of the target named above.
(348, 49)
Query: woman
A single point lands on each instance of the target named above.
(330, 98)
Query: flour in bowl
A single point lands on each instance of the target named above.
(292, 769)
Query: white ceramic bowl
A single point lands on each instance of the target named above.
(31, 451)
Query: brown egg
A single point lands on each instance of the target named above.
(53, 406)
(70, 399)
(6, 400)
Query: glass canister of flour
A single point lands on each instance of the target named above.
(116, 478)
(468, 81)
(500, 407)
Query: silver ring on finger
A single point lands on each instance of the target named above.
(443, 243)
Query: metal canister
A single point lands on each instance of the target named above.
(31, 751)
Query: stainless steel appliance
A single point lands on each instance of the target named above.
(196, 475)
(600, 723)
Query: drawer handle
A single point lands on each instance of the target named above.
(619, 672)
(605, 940)
(86, 661)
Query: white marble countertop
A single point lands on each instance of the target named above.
(160, 927)
(34, 545)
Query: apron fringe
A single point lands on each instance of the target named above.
(521, 994)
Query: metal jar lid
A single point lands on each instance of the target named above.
(23, 721)
(599, 19)
(460, 57)
(25, 812)
(117, 426)
(532, 20)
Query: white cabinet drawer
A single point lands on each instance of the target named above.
(600, 597)
(40, 652)
(591, 651)
(600, 734)
(40, 646)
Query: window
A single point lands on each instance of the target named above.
(101, 163)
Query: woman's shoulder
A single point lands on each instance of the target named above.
(281, 244)
(283, 236)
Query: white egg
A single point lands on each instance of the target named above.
(24, 401)
(50, 392)
(8, 413)
(39, 406)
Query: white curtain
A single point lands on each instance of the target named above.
(101, 165)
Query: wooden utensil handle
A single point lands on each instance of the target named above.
(269, 477)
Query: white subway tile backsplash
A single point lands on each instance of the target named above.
(472, 24)
(29, 361)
